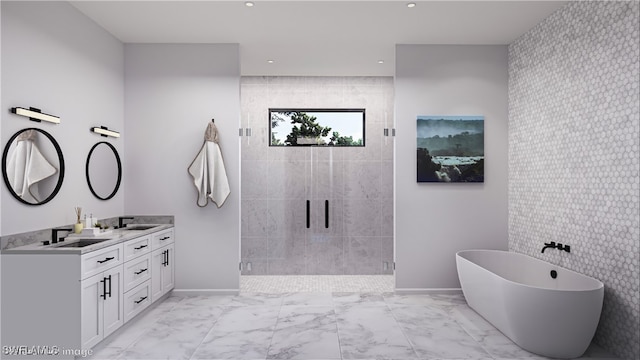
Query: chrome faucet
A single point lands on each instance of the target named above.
(558, 246)
(54, 234)
(121, 220)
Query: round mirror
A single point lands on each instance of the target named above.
(104, 170)
(33, 166)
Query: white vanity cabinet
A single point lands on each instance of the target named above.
(102, 306)
(136, 300)
(137, 271)
(137, 275)
(136, 247)
(162, 265)
(71, 301)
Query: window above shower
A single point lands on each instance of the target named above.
(317, 127)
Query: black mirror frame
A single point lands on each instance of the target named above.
(60, 170)
(115, 152)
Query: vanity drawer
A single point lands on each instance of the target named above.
(98, 261)
(136, 247)
(161, 238)
(137, 271)
(137, 300)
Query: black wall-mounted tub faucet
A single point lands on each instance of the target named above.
(558, 246)
(54, 234)
(549, 245)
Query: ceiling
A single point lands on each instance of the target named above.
(318, 38)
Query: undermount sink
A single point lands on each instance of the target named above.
(138, 227)
(82, 243)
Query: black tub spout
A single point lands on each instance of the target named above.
(549, 245)
(558, 246)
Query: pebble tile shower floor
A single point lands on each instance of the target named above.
(317, 283)
(318, 326)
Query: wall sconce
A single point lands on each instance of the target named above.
(104, 131)
(35, 114)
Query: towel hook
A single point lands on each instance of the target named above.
(213, 120)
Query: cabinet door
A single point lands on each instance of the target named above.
(92, 305)
(168, 270)
(113, 311)
(157, 261)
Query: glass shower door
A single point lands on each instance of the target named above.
(325, 240)
(316, 209)
(305, 213)
(286, 207)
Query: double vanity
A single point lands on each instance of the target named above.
(61, 297)
(64, 298)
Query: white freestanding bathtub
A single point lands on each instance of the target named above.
(517, 294)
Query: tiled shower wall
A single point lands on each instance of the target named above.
(277, 181)
(573, 153)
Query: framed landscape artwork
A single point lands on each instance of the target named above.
(450, 148)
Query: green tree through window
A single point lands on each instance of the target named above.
(307, 128)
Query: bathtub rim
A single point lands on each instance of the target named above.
(600, 284)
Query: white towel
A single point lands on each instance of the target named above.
(208, 172)
(27, 167)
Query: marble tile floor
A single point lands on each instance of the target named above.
(314, 326)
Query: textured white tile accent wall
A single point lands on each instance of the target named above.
(573, 153)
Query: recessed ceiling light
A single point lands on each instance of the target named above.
(411, 5)
(270, 61)
(380, 61)
(249, 3)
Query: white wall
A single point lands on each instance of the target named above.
(172, 92)
(0, 138)
(56, 59)
(1, 100)
(435, 220)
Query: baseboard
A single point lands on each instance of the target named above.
(398, 291)
(428, 291)
(196, 292)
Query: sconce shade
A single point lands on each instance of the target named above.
(104, 131)
(35, 114)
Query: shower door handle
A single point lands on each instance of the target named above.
(326, 214)
(308, 215)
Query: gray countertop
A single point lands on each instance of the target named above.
(115, 237)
